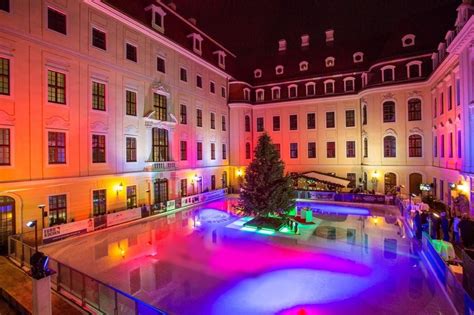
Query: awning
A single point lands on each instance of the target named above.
(325, 178)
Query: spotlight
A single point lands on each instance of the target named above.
(31, 224)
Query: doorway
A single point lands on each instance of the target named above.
(415, 181)
(161, 190)
(7, 221)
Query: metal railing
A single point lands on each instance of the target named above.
(160, 166)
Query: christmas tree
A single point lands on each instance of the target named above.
(266, 190)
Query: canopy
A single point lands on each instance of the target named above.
(325, 178)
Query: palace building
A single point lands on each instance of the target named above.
(107, 105)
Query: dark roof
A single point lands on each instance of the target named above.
(252, 28)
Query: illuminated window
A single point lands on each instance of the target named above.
(131, 103)
(131, 197)
(131, 144)
(5, 146)
(99, 202)
(160, 106)
(4, 76)
(184, 187)
(415, 147)
(98, 96)
(57, 209)
(160, 145)
(56, 147)
(98, 148)
(56, 87)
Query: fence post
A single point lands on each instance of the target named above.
(116, 303)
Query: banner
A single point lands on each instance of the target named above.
(123, 216)
(59, 232)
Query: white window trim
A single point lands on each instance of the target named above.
(414, 63)
(125, 151)
(220, 58)
(197, 42)
(276, 88)
(389, 67)
(125, 50)
(247, 94)
(408, 37)
(307, 88)
(358, 57)
(353, 84)
(257, 92)
(364, 79)
(46, 158)
(257, 73)
(331, 81)
(187, 74)
(387, 133)
(325, 119)
(212, 83)
(100, 29)
(335, 150)
(421, 101)
(355, 148)
(279, 70)
(164, 59)
(355, 118)
(422, 146)
(289, 90)
(101, 81)
(304, 66)
(162, 13)
(330, 62)
(56, 68)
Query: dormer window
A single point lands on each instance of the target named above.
(220, 58)
(358, 57)
(279, 70)
(408, 40)
(303, 65)
(329, 86)
(282, 45)
(275, 93)
(293, 91)
(310, 89)
(260, 95)
(414, 69)
(330, 61)
(349, 85)
(257, 73)
(247, 94)
(388, 73)
(157, 17)
(197, 42)
(305, 40)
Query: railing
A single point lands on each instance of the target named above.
(160, 166)
(340, 196)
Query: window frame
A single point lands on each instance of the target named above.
(57, 147)
(131, 149)
(328, 83)
(333, 120)
(57, 209)
(95, 29)
(131, 103)
(385, 113)
(97, 96)
(99, 153)
(331, 150)
(385, 68)
(389, 152)
(5, 78)
(351, 152)
(54, 89)
(5, 146)
(131, 53)
(346, 80)
(353, 118)
(414, 115)
(415, 146)
(60, 12)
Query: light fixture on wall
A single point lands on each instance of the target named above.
(119, 188)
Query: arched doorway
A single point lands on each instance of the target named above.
(415, 181)
(7, 221)
(390, 181)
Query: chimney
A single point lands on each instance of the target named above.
(305, 40)
(282, 45)
(172, 6)
(192, 21)
(329, 37)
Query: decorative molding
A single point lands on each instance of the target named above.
(388, 96)
(6, 119)
(415, 94)
(390, 132)
(160, 88)
(131, 129)
(57, 122)
(416, 130)
(99, 126)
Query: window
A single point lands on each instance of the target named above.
(330, 120)
(197, 42)
(224, 125)
(329, 87)
(131, 197)
(212, 87)
(56, 147)
(350, 118)
(199, 151)
(260, 95)
(257, 73)
(4, 146)
(310, 89)
(247, 123)
(98, 96)
(131, 103)
(57, 209)
(56, 21)
(303, 65)
(451, 144)
(442, 146)
(408, 40)
(5, 5)
(4, 76)
(293, 122)
(160, 106)
(415, 147)
(275, 93)
(158, 18)
(184, 187)
(388, 73)
(199, 117)
(352, 178)
(99, 202)
(224, 151)
(350, 149)
(98, 148)
(247, 150)
(160, 145)
(330, 61)
(183, 75)
(131, 144)
(213, 151)
(450, 98)
(221, 58)
(349, 85)
(414, 69)
(277, 148)
(223, 92)
(358, 57)
(199, 81)
(213, 121)
(311, 121)
(389, 111)
(184, 150)
(331, 149)
(99, 39)
(459, 144)
(213, 182)
(279, 70)
(276, 123)
(366, 147)
(458, 92)
(293, 150)
(311, 150)
(183, 114)
(160, 65)
(414, 109)
(435, 146)
(293, 91)
(390, 146)
(56, 87)
(441, 105)
(247, 94)
(260, 124)
(364, 115)
(131, 52)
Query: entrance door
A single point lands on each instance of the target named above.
(213, 182)
(415, 181)
(7, 221)
(161, 190)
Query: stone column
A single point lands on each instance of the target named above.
(42, 296)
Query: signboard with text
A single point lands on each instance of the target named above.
(58, 232)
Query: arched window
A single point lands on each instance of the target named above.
(389, 146)
(366, 147)
(329, 86)
(358, 57)
(414, 109)
(260, 95)
(279, 70)
(388, 73)
(330, 61)
(257, 73)
(247, 123)
(247, 150)
(415, 180)
(389, 111)
(390, 181)
(364, 115)
(415, 146)
(293, 91)
(414, 69)
(275, 93)
(303, 65)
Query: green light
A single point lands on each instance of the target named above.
(266, 232)
(248, 229)
(284, 230)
